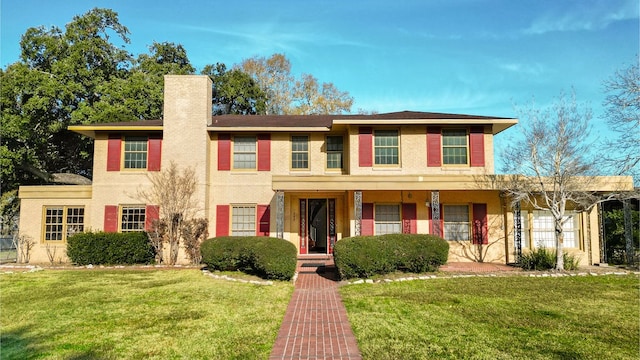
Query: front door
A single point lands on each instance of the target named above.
(317, 226)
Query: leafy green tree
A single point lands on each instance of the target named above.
(615, 239)
(76, 76)
(234, 92)
(139, 94)
(57, 83)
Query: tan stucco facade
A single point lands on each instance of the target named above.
(191, 137)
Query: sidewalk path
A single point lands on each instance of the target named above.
(315, 325)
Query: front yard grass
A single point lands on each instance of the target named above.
(137, 314)
(516, 317)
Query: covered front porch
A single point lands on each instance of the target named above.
(314, 212)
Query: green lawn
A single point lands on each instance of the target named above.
(497, 318)
(137, 314)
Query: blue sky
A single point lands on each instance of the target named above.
(459, 56)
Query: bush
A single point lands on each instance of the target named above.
(365, 256)
(103, 248)
(266, 257)
(545, 259)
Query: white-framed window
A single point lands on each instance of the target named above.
(543, 230)
(387, 219)
(454, 147)
(386, 147)
(300, 152)
(244, 152)
(335, 147)
(135, 152)
(60, 222)
(132, 218)
(243, 220)
(456, 222)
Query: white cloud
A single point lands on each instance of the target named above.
(274, 37)
(589, 17)
(535, 69)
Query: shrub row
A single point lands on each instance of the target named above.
(365, 256)
(545, 259)
(101, 248)
(269, 258)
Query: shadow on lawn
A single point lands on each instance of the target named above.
(22, 344)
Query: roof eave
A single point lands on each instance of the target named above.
(497, 125)
(90, 131)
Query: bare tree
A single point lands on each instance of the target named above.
(622, 112)
(172, 191)
(553, 163)
(194, 232)
(273, 75)
(24, 245)
(288, 95)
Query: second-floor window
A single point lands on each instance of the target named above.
(454, 147)
(386, 147)
(244, 152)
(135, 152)
(334, 152)
(300, 152)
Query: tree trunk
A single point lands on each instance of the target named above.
(628, 233)
(559, 244)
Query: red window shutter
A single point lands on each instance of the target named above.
(476, 145)
(480, 230)
(264, 217)
(365, 147)
(113, 152)
(111, 218)
(409, 219)
(154, 150)
(264, 152)
(222, 220)
(366, 227)
(434, 146)
(152, 213)
(224, 152)
(437, 231)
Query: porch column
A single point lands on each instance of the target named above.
(280, 214)
(603, 250)
(517, 221)
(357, 207)
(435, 213)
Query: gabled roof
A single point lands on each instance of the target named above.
(310, 122)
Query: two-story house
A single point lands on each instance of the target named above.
(309, 179)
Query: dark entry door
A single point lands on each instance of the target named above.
(318, 225)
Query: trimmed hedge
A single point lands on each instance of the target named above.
(269, 258)
(102, 248)
(365, 256)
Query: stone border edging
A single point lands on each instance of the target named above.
(528, 274)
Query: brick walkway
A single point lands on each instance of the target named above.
(315, 325)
